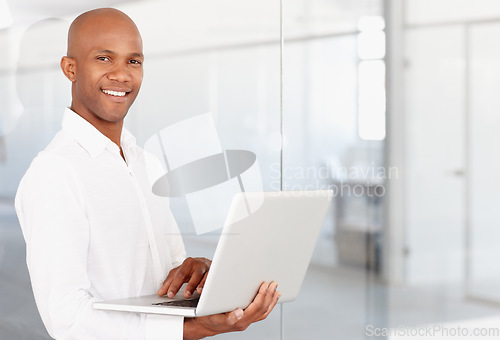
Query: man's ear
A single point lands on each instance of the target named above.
(68, 66)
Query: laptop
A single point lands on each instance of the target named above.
(267, 236)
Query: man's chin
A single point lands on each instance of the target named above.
(114, 114)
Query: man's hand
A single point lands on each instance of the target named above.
(237, 320)
(193, 271)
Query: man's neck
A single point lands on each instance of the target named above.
(112, 130)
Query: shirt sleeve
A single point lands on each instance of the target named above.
(51, 211)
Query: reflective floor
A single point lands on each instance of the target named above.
(334, 303)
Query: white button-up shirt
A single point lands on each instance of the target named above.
(95, 231)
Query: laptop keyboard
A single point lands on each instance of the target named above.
(179, 303)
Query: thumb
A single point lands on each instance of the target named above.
(235, 316)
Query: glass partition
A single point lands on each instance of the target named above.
(303, 87)
(333, 130)
(303, 110)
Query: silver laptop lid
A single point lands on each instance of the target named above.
(268, 236)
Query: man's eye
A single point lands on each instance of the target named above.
(103, 58)
(137, 62)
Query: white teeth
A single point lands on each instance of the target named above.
(114, 93)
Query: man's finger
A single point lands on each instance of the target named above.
(179, 279)
(268, 299)
(166, 284)
(192, 271)
(257, 307)
(193, 283)
(275, 300)
(199, 289)
(271, 291)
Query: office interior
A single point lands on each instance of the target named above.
(392, 104)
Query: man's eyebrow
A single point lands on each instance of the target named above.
(136, 54)
(133, 54)
(105, 51)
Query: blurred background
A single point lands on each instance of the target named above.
(393, 104)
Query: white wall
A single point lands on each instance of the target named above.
(484, 163)
(448, 66)
(434, 141)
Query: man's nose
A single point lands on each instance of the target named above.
(120, 72)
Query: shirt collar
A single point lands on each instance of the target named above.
(127, 140)
(91, 139)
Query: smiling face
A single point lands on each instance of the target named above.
(104, 63)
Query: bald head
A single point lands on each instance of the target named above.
(97, 21)
(104, 63)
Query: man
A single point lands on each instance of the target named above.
(93, 229)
